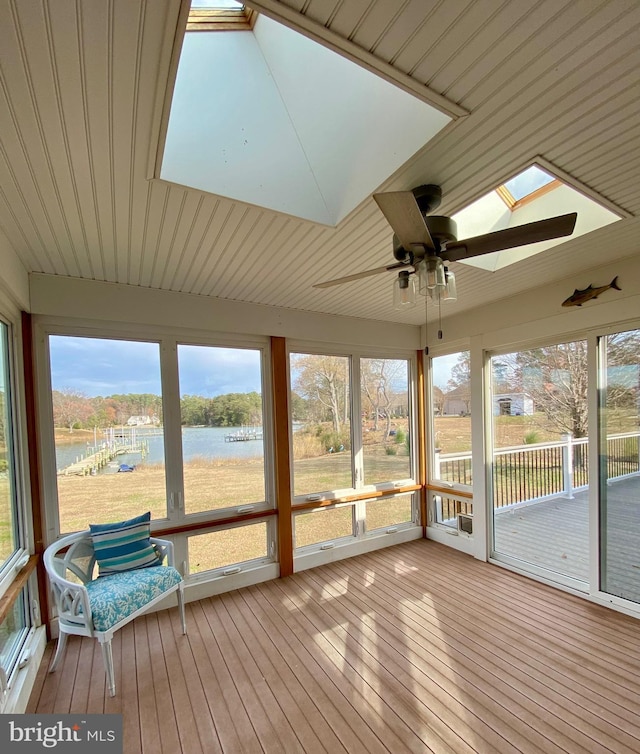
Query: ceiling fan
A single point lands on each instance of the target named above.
(419, 236)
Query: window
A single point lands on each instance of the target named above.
(386, 449)
(222, 15)
(450, 445)
(14, 629)
(388, 511)
(339, 460)
(321, 416)
(526, 185)
(324, 525)
(108, 425)
(619, 452)
(533, 194)
(229, 547)
(221, 412)
(177, 428)
(9, 510)
(13, 634)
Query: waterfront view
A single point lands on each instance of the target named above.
(198, 443)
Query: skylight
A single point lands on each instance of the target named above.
(528, 182)
(533, 194)
(219, 15)
(218, 5)
(272, 118)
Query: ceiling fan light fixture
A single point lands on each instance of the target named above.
(404, 291)
(421, 273)
(435, 277)
(450, 291)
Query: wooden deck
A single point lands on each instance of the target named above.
(415, 648)
(554, 534)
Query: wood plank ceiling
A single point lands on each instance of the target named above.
(82, 84)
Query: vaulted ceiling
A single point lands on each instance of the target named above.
(83, 87)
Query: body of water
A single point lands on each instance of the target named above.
(197, 442)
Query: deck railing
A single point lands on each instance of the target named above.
(526, 473)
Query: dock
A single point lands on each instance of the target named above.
(243, 436)
(92, 463)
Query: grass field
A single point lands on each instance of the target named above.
(220, 484)
(216, 485)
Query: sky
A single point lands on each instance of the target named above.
(97, 366)
(441, 369)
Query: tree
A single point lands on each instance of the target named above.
(555, 378)
(460, 380)
(70, 408)
(299, 407)
(623, 371)
(380, 380)
(193, 410)
(324, 382)
(235, 410)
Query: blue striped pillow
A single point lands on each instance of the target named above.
(124, 546)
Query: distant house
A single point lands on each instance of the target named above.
(512, 404)
(457, 402)
(141, 421)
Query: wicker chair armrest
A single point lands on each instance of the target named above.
(165, 549)
(71, 601)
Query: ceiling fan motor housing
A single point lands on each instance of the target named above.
(442, 229)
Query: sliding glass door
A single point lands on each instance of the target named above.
(619, 489)
(540, 473)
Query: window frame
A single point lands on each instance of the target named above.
(16, 568)
(361, 540)
(168, 339)
(355, 355)
(240, 566)
(221, 19)
(19, 486)
(180, 516)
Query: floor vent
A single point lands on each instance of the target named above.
(465, 523)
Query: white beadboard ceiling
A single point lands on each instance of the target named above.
(82, 86)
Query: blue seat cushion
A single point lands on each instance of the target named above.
(115, 597)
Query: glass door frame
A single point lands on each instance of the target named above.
(597, 368)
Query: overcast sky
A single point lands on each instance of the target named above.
(96, 366)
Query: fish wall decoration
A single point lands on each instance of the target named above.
(577, 298)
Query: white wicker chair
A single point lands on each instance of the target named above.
(98, 607)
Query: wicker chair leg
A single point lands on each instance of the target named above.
(60, 647)
(181, 608)
(107, 657)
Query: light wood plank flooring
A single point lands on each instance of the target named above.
(415, 648)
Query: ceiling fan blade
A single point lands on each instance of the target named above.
(542, 230)
(404, 216)
(360, 275)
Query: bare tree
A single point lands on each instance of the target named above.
(554, 378)
(459, 384)
(70, 407)
(324, 382)
(380, 379)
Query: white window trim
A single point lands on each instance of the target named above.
(11, 318)
(168, 340)
(355, 354)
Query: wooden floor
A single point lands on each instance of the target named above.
(415, 648)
